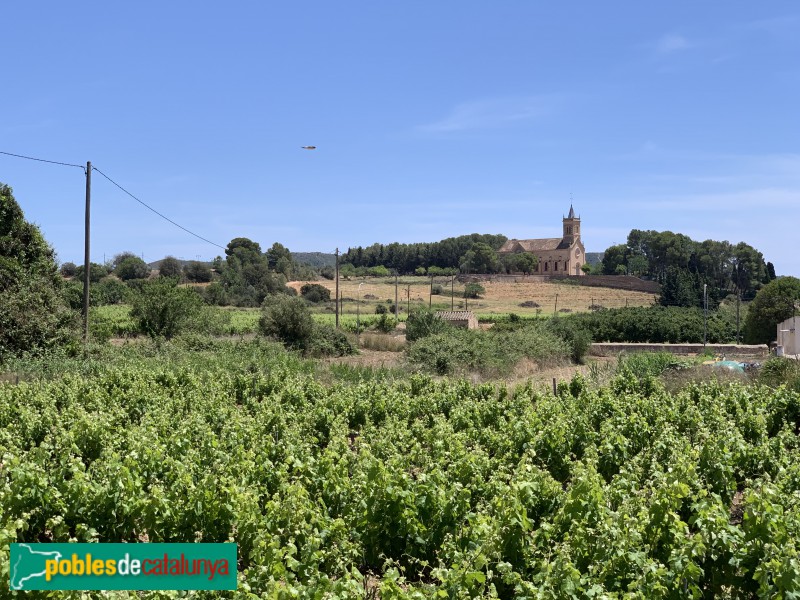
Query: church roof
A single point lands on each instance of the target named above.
(571, 214)
(537, 245)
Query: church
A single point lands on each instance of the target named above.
(557, 256)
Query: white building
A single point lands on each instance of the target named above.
(788, 340)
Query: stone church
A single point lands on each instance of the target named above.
(557, 256)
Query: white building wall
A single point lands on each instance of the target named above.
(787, 336)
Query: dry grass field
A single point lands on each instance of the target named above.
(500, 297)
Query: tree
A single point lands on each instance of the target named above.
(276, 254)
(131, 267)
(288, 320)
(481, 258)
(314, 292)
(161, 308)
(775, 302)
(96, 272)
(681, 287)
(473, 290)
(170, 267)
(34, 315)
(197, 272)
(68, 269)
(524, 262)
(586, 268)
(613, 258)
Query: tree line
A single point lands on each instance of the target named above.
(682, 266)
(407, 258)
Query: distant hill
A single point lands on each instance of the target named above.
(314, 259)
(156, 264)
(594, 258)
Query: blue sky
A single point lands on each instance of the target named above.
(431, 119)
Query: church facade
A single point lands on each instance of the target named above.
(557, 256)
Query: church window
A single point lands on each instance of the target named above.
(545, 266)
(555, 265)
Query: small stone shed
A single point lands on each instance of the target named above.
(465, 319)
(788, 340)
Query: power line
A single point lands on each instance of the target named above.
(52, 162)
(156, 212)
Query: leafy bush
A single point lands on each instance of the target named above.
(436, 289)
(648, 364)
(423, 323)
(314, 292)
(162, 309)
(578, 338)
(68, 269)
(474, 290)
(170, 267)
(131, 267)
(197, 272)
(328, 341)
(486, 352)
(381, 309)
(34, 315)
(96, 272)
(779, 371)
(288, 320)
(385, 323)
(656, 324)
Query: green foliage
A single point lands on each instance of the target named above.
(779, 371)
(386, 323)
(656, 324)
(577, 338)
(170, 267)
(413, 488)
(774, 303)
(162, 309)
(34, 315)
(287, 320)
(722, 266)
(644, 365)
(328, 341)
(439, 258)
(314, 292)
(423, 323)
(246, 276)
(474, 290)
(197, 272)
(523, 262)
(131, 267)
(681, 287)
(489, 353)
(381, 309)
(96, 272)
(480, 258)
(67, 269)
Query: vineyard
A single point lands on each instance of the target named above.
(411, 488)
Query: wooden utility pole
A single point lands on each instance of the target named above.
(555, 308)
(86, 261)
(430, 294)
(337, 288)
(408, 299)
(396, 300)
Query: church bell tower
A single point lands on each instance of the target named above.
(572, 227)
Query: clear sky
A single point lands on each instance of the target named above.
(431, 119)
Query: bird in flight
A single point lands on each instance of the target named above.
(308, 147)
